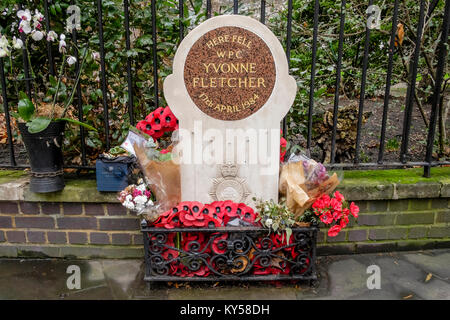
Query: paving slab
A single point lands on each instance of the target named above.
(405, 275)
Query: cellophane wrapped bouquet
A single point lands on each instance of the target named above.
(303, 181)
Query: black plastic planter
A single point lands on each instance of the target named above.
(45, 155)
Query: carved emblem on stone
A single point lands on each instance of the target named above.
(229, 186)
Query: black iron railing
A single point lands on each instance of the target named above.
(381, 163)
(231, 253)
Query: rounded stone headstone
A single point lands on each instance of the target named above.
(230, 88)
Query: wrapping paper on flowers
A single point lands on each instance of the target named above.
(303, 181)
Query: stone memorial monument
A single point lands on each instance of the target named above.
(230, 89)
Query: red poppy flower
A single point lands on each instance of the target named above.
(186, 218)
(326, 218)
(354, 209)
(211, 222)
(173, 221)
(170, 254)
(168, 118)
(344, 221)
(218, 208)
(335, 204)
(248, 215)
(207, 209)
(195, 207)
(334, 231)
(219, 244)
(339, 197)
(230, 208)
(337, 215)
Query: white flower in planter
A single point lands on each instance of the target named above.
(24, 14)
(62, 43)
(269, 222)
(37, 35)
(52, 36)
(17, 43)
(24, 26)
(71, 60)
(129, 197)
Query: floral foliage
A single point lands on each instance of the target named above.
(334, 212)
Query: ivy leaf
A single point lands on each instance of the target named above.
(38, 124)
(25, 107)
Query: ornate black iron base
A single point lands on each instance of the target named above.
(228, 253)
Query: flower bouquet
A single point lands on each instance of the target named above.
(137, 198)
(303, 181)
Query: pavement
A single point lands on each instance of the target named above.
(402, 275)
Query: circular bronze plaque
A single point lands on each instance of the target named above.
(229, 73)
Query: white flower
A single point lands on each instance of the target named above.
(4, 52)
(3, 42)
(52, 36)
(62, 46)
(269, 222)
(128, 204)
(24, 26)
(37, 35)
(140, 200)
(38, 16)
(17, 43)
(71, 60)
(129, 197)
(24, 14)
(141, 188)
(150, 202)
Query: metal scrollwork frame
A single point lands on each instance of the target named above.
(230, 253)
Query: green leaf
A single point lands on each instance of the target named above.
(288, 234)
(38, 124)
(25, 108)
(77, 122)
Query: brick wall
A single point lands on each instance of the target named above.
(68, 229)
(390, 225)
(84, 223)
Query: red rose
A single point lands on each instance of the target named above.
(334, 231)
